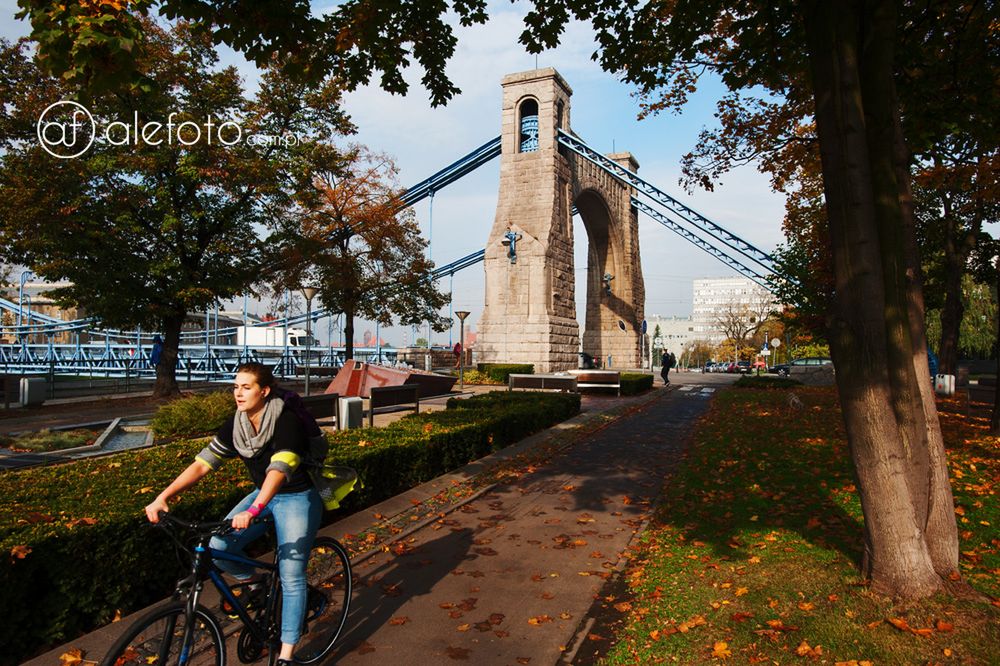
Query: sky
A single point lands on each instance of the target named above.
(603, 113)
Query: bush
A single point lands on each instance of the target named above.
(633, 383)
(80, 548)
(194, 415)
(473, 376)
(765, 382)
(499, 372)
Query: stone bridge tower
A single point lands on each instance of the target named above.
(530, 312)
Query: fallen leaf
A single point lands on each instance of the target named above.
(71, 657)
(19, 552)
(397, 621)
(806, 605)
(899, 623)
(538, 620)
(365, 647)
(720, 650)
(804, 650)
(941, 625)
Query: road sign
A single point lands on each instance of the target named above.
(643, 325)
(765, 352)
(775, 342)
(658, 342)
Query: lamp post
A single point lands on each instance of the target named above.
(309, 293)
(461, 314)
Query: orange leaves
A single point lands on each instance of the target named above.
(71, 657)
(926, 632)
(539, 620)
(19, 552)
(805, 650)
(720, 650)
(696, 621)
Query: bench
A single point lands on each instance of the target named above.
(598, 379)
(391, 396)
(324, 407)
(10, 386)
(541, 382)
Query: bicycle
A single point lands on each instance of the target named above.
(184, 632)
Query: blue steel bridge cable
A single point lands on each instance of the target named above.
(681, 210)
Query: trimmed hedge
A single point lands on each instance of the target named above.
(633, 383)
(500, 371)
(80, 548)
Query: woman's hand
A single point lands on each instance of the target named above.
(154, 508)
(242, 520)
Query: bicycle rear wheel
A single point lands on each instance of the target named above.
(156, 638)
(329, 578)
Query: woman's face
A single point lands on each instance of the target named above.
(249, 395)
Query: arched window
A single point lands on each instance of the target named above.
(528, 113)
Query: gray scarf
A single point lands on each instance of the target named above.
(248, 443)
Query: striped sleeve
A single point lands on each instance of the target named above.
(215, 454)
(285, 462)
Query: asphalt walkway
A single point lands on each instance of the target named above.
(505, 569)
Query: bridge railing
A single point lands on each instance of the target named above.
(194, 363)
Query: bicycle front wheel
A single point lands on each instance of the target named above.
(158, 638)
(329, 578)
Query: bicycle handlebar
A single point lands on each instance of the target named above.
(216, 527)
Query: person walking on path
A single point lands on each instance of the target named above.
(668, 361)
(273, 444)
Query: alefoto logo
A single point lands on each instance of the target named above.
(67, 129)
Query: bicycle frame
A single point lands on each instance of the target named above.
(203, 567)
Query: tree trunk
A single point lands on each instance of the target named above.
(940, 529)
(850, 49)
(953, 309)
(166, 369)
(348, 335)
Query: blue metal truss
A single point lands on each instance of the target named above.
(686, 213)
(452, 172)
(701, 243)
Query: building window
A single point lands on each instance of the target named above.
(528, 113)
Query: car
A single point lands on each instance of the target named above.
(785, 369)
(743, 367)
(709, 366)
(731, 368)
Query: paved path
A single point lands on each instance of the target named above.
(509, 577)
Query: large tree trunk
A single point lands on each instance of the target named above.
(940, 529)
(995, 415)
(166, 370)
(850, 48)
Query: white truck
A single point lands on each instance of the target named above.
(272, 336)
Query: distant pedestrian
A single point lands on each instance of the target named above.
(668, 360)
(458, 354)
(154, 355)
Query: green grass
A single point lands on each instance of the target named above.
(757, 541)
(50, 440)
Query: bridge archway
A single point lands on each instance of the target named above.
(530, 310)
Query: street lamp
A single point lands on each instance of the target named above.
(461, 314)
(309, 293)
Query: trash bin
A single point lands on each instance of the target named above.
(944, 384)
(351, 413)
(32, 391)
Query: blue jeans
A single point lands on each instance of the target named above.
(296, 519)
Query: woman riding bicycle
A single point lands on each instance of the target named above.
(272, 443)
